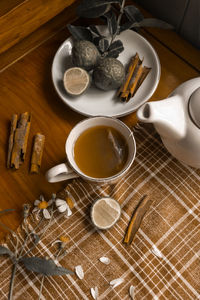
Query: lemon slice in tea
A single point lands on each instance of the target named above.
(76, 81)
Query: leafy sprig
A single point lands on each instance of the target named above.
(32, 236)
(111, 12)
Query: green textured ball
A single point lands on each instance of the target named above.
(109, 74)
(85, 55)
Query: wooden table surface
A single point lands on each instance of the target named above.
(26, 86)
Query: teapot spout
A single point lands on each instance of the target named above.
(168, 117)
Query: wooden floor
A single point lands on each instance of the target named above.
(26, 85)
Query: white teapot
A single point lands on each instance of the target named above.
(177, 120)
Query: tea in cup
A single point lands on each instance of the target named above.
(98, 149)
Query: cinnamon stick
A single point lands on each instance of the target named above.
(133, 64)
(20, 140)
(145, 72)
(37, 153)
(11, 138)
(124, 96)
(126, 93)
(133, 83)
(135, 77)
(136, 219)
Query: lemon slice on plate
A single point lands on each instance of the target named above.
(76, 81)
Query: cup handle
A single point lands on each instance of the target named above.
(60, 172)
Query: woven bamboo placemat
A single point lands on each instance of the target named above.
(164, 260)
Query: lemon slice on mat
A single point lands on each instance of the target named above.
(105, 212)
(76, 81)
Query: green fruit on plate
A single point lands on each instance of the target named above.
(85, 55)
(109, 74)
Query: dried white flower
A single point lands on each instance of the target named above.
(114, 283)
(94, 293)
(79, 272)
(62, 241)
(41, 205)
(132, 291)
(156, 252)
(105, 260)
(62, 206)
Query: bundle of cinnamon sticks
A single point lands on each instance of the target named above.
(17, 145)
(18, 139)
(135, 76)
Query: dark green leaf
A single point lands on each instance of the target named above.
(111, 21)
(94, 29)
(115, 49)
(94, 12)
(4, 250)
(151, 22)
(113, 54)
(133, 13)
(80, 33)
(43, 266)
(96, 40)
(94, 8)
(116, 45)
(103, 45)
(127, 25)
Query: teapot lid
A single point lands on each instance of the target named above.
(194, 107)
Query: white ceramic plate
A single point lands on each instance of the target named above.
(96, 102)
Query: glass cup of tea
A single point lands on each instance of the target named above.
(98, 149)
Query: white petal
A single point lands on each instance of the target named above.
(42, 198)
(46, 214)
(94, 292)
(105, 260)
(60, 202)
(79, 272)
(50, 202)
(56, 241)
(62, 208)
(35, 209)
(36, 202)
(132, 291)
(116, 282)
(69, 212)
(156, 252)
